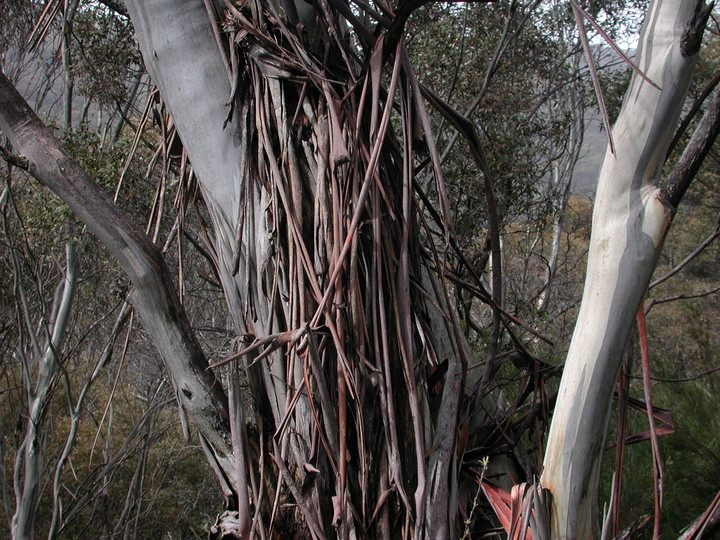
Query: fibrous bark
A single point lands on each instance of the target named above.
(317, 242)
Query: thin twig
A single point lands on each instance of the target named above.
(684, 296)
(705, 243)
(658, 472)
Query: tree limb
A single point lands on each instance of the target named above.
(694, 154)
(155, 297)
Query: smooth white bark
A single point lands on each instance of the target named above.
(629, 225)
(186, 63)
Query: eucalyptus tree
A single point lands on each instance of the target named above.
(329, 228)
(630, 220)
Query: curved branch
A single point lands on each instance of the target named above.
(155, 297)
(694, 154)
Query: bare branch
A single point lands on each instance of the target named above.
(155, 298)
(705, 243)
(694, 110)
(700, 144)
(685, 296)
(14, 159)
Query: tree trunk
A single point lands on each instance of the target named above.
(630, 220)
(316, 241)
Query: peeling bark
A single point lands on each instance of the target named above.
(316, 242)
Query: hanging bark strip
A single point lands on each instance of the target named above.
(612, 520)
(658, 472)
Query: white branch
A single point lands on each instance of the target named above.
(629, 225)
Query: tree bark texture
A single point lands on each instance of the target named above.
(317, 242)
(303, 142)
(630, 219)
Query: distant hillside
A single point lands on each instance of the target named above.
(587, 169)
(585, 178)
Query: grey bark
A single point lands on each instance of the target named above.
(154, 296)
